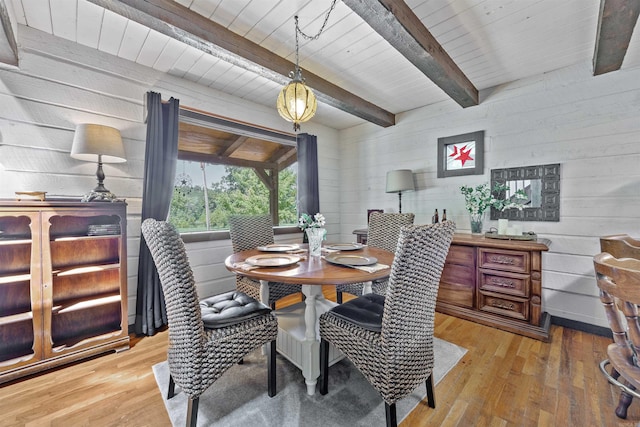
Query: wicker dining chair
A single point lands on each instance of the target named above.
(384, 229)
(205, 337)
(249, 232)
(619, 284)
(390, 338)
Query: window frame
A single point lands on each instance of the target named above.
(206, 120)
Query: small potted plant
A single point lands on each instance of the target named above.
(477, 200)
(313, 226)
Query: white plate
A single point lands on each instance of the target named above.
(272, 260)
(350, 260)
(345, 246)
(275, 247)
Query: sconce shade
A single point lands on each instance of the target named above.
(101, 144)
(91, 141)
(400, 180)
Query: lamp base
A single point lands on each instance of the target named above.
(100, 196)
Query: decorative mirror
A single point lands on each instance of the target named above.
(541, 184)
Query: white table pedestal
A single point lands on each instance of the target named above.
(299, 336)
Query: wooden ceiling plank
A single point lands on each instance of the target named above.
(615, 27)
(281, 153)
(212, 158)
(176, 21)
(395, 21)
(233, 146)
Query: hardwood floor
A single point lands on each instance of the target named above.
(503, 380)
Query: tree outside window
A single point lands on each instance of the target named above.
(206, 194)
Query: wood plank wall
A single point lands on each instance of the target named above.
(60, 84)
(591, 125)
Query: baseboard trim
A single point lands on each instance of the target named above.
(581, 326)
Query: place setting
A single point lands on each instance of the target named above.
(353, 260)
(276, 255)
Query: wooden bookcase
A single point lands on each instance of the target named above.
(63, 288)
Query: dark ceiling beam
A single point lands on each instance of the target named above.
(396, 22)
(174, 20)
(8, 44)
(615, 27)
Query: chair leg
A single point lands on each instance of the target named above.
(390, 411)
(431, 399)
(172, 388)
(339, 297)
(271, 368)
(192, 412)
(324, 366)
(624, 401)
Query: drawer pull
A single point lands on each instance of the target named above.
(503, 283)
(503, 305)
(502, 259)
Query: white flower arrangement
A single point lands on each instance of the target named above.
(480, 198)
(307, 221)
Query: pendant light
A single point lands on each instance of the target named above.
(296, 102)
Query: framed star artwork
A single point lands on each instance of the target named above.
(461, 154)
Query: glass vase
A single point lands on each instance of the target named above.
(315, 237)
(476, 222)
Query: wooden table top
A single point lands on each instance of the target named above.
(312, 270)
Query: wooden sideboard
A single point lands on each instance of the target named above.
(497, 283)
(63, 289)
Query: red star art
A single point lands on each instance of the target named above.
(463, 154)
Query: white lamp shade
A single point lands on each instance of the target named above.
(400, 180)
(91, 141)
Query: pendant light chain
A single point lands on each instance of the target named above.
(308, 37)
(296, 102)
(324, 24)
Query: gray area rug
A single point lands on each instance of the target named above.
(239, 397)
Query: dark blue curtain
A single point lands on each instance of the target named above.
(161, 155)
(308, 195)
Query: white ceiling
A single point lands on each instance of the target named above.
(492, 41)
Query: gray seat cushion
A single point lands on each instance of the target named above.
(364, 311)
(230, 308)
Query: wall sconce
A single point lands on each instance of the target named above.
(99, 143)
(399, 181)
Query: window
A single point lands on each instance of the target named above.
(228, 168)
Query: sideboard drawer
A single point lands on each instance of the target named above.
(463, 255)
(518, 308)
(505, 283)
(504, 260)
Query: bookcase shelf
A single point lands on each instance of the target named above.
(63, 294)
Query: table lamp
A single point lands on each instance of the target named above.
(399, 181)
(102, 144)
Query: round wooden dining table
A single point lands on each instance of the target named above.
(298, 332)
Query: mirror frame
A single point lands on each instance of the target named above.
(550, 176)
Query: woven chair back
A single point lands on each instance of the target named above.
(384, 229)
(186, 330)
(249, 232)
(409, 309)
